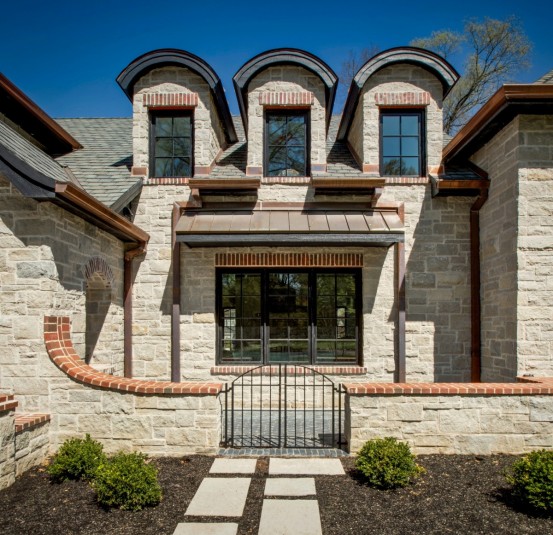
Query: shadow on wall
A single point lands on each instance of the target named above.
(98, 301)
(438, 291)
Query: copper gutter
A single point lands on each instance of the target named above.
(175, 309)
(507, 95)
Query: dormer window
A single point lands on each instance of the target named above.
(401, 142)
(287, 143)
(171, 144)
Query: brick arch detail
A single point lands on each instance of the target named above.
(57, 338)
(97, 264)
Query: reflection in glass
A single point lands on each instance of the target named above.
(286, 144)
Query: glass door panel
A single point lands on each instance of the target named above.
(241, 308)
(288, 317)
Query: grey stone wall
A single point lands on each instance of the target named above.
(43, 250)
(7, 448)
(479, 425)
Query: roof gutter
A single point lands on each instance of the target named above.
(81, 203)
(506, 96)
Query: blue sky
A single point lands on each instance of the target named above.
(66, 55)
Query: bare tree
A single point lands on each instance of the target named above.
(496, 51)
(350, 66)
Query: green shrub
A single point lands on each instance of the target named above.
(532, 479)
(127, 481)
(386, 463)
(76, 459)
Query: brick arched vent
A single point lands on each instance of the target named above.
(57, 337)
(97, 264)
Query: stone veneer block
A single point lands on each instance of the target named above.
(220, 496)
(197, 528)
(290, 517)
(327, 467)
(233, 466)
(290, 486)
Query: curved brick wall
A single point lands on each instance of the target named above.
(57, 337)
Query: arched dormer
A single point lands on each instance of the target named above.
(296, 90)
(176, 94)
(401, 84)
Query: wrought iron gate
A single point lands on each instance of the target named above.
(283, 406)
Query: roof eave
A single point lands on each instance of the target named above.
(38, 114)
(509, 100)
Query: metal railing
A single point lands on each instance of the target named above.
(283, 406)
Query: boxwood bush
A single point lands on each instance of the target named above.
(76, 459)
(386, 463)
(127, 481)
(532, 479)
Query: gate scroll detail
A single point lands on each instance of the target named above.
(283, 406)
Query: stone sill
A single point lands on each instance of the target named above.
(523, 387)
(290, 370)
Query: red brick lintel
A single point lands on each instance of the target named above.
(541, 386)
(29, 421)
(57, 337)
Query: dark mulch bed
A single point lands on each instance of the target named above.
(458, 494)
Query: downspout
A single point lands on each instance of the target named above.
(127, 306)
(175, 310)
(475, 304)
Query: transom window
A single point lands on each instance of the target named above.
(286, 143)
(401, 135)
(299, 316)
(171, 144)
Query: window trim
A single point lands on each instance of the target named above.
(421, 113)
(153, 115)
(287, 112)
(312, 307)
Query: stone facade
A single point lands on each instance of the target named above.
(286, 79)
(517, 250)
(393, 82)
(43, 250)
(208, 133)
(7, 448)
(467, 424)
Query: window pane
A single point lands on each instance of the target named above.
(345, 351)
(249, 328)
(251, 284)
(164, 126)
(182, 127)
(181, 167)
(298, 328)
(410, 125)
(390, 146)
(326, 351)
(346, 284)
(299, 351)
(409, 166)
(230, 287)
(164, 147)
(251, 351)
(326, 328)
(278, 328)
(409, 146)
(277, 161)
(181, 147)
(277, 129)
(296, 161)
(326, 305)
(390, 125)
(163, 166)
(326, 284)
(296, 130)
(391, 166)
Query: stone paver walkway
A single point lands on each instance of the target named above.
(226, 497)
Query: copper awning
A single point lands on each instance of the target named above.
(221, 228)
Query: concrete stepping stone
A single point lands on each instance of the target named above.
(290, 517)
(310, 467)
(197, 528)
(290, 486)
(220, 496)
(233, 466)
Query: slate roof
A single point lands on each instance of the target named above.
(32, 155)
(546, 78)
(103, 165)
